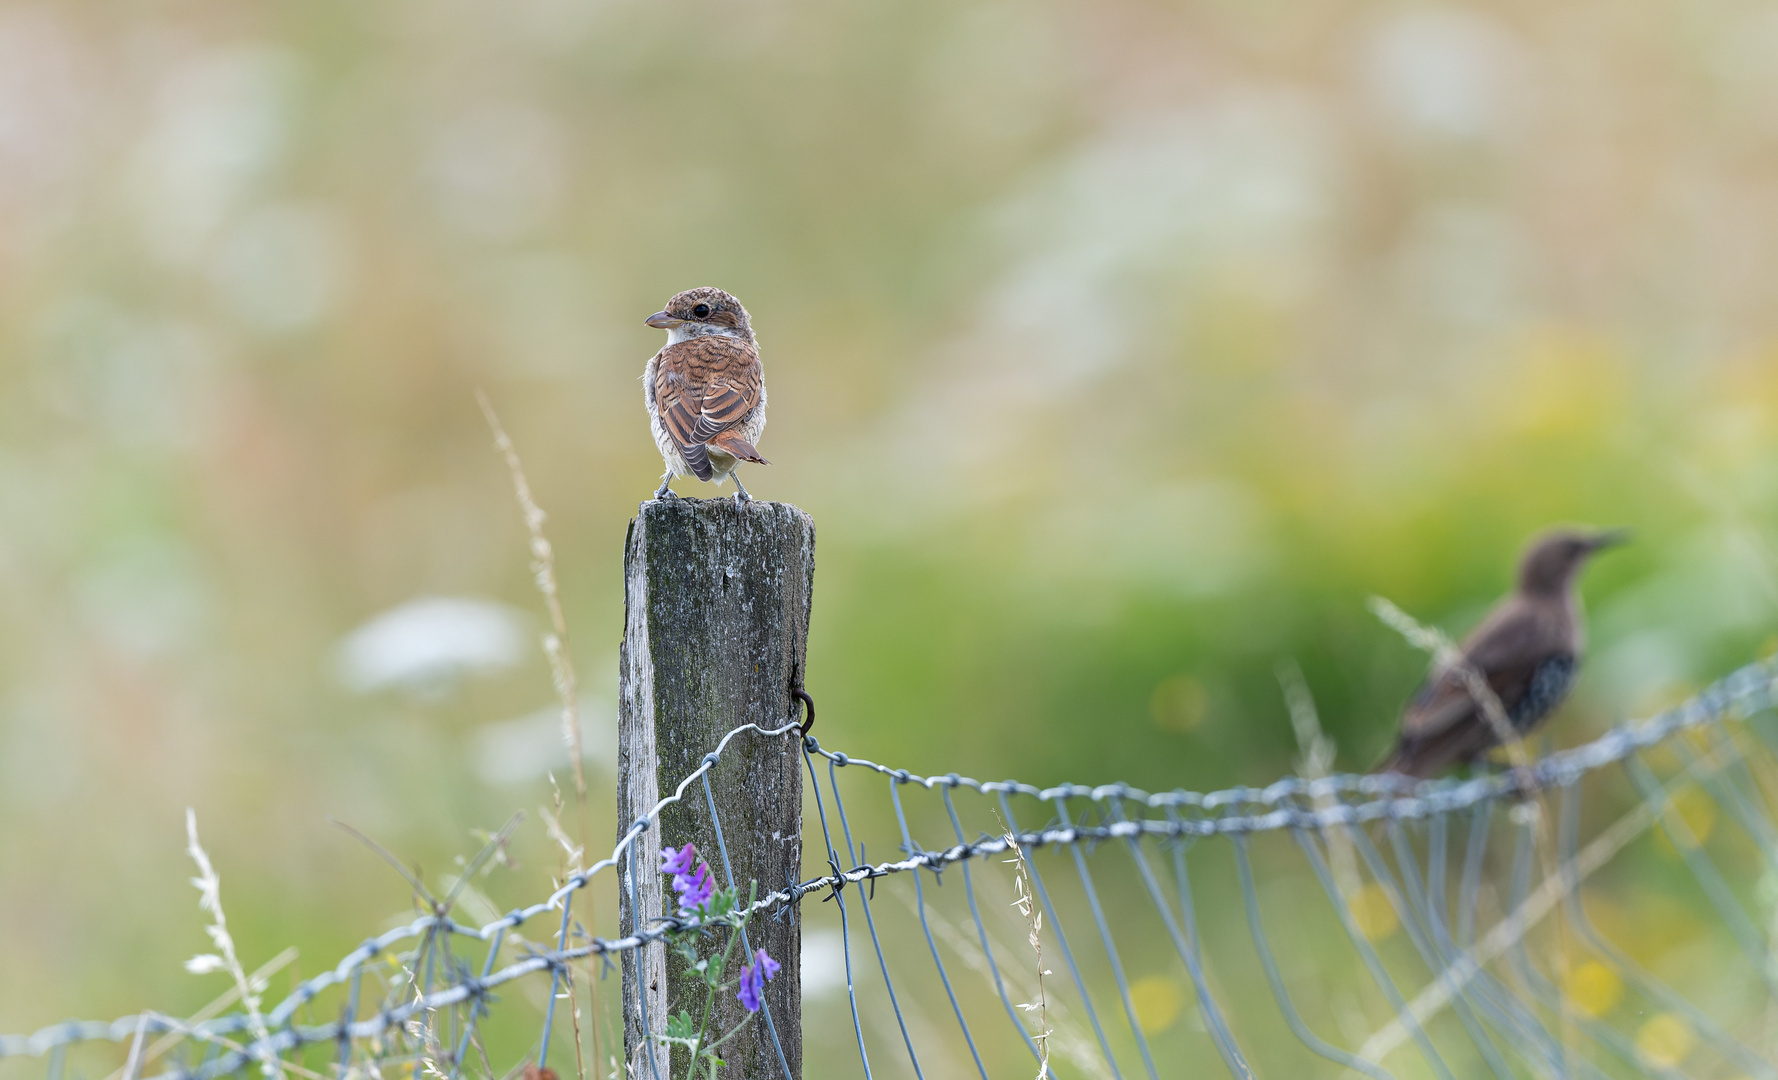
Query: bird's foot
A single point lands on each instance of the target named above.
(741, 495)
(666, 491)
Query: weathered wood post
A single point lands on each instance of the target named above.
(716, 620)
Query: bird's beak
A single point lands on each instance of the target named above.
(660, 320)
(1610, 538)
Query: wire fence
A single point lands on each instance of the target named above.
(1317, 926)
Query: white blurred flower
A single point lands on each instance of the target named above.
(146, 596)
(138, 373)
(498, 170)
(426, 643)
(1173, 196)
(524, 749)
(1441, 72)
(206, 964)
(220, 123)
(280, 268)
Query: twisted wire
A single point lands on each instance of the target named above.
(1293, 803)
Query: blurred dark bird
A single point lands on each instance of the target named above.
(706, 391)
(1527, 650)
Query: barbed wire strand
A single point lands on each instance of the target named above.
(1043, 897)
(555, 984)
(1547, 992)
(1117, 966)
(1207, 1008)
(1568, 833)
(908, 845)
(1275, 978)
(1744, 691)
(478, 1009)
(728, 871)
(1615, 960)
(981, 931)
(1425, 906)
(1390, 890)
(654, 1068)
(1081, 835)
(1188, 924)
(1703, 869)
(839, 898)
(870, 922)
(1368, 956)
(1429, 905)
(1295, 804)
(1726, 784)
(1510, 931)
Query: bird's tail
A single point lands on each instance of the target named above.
(698, 458)
(732, 444)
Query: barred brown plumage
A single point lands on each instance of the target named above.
(705, 390)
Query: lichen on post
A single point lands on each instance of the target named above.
(717, 602)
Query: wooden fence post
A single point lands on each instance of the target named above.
(716, 622)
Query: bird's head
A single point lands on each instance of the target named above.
(1552, 560)
(696, 312)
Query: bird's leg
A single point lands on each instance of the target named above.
(666, 491)
(741, 495)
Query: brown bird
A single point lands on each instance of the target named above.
(706, 391)
(1527, 650)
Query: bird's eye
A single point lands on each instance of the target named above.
(701, 310)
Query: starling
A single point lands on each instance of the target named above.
(706, 390)
(1527, 650)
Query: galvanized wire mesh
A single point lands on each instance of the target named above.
(1361, 923)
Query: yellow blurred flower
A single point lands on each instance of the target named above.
(1373, 912)
(1157, 999)
(1665, 1040)
(1741, 427)
(1697, 811)
(1237, 327)
(1178, 704)
(1561, 381)
(1646, 927)
(1593, 988)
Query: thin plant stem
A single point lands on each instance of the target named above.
(209, 888)
(561, 664)
(710, 997)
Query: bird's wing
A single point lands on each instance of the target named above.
(703, 387)
(1505, 650)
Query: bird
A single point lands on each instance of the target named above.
(1528, 650)
(705, 390)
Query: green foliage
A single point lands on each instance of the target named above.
(682, 1030)
(723, 910)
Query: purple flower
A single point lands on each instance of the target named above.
(679, 861)
(695, 888)
(691, 877)
(754, 978)
(751, 986)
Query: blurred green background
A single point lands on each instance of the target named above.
(1119, 350)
